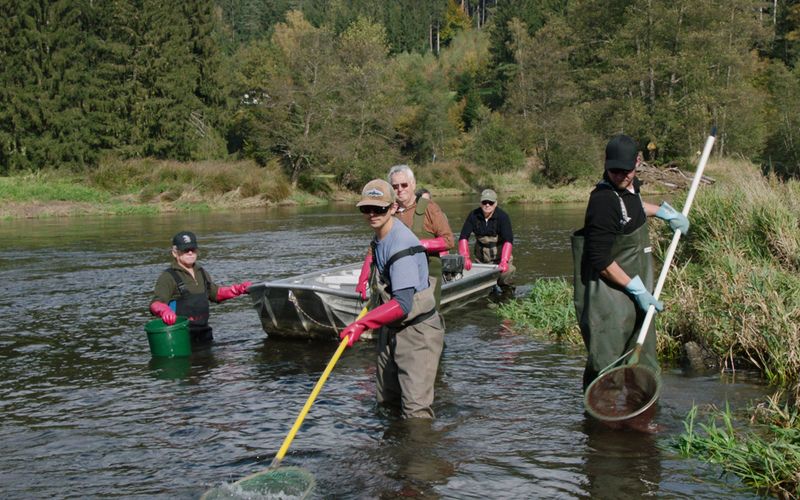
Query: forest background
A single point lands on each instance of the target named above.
(332, 92)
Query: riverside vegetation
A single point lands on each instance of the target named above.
(734, 288)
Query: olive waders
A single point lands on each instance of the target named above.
(434, 261)
(486, 252)
(608, 317)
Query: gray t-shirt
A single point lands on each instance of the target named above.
(410, 271)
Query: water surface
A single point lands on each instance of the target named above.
(87, 413)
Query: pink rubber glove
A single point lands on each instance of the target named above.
(229, 292)
(463, 250)
(384, 314)
(434, 245)
(363, 278)
(505, 256)
(162, 310)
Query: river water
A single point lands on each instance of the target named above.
(86, 412)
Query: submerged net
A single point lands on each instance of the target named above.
(278, 484)
(622, 393)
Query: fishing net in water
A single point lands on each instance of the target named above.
(278, 484)
(623, 393)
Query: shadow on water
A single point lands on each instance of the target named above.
(88, 413)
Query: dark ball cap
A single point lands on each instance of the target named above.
(621, 152)
(184, 240)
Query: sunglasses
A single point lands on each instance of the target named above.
(189, 250)
(619, 171)
(487, 202)
(372, 209)
(402, 185)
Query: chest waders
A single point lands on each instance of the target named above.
(424, 304)
(195, 306)
(434, 261)
(608, 317)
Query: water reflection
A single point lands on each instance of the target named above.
(419, 462)
(619, 464)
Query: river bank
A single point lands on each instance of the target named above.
(149, 186)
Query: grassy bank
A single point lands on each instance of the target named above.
(765, 455)
(147, 186)
(734, 289)
(151, 186)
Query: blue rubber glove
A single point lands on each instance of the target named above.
(676, 219)
(642, 297)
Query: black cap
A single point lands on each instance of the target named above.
(621, 152)
(184, 240)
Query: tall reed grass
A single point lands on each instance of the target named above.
(162, 180)
(736, 286)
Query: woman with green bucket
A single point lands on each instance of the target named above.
(185, 289)
(614, 265)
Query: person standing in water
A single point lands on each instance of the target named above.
(185, 289)
(402, 308)
(494, 237)
(614, 265)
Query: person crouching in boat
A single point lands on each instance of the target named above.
(185, 289)
(403, 312)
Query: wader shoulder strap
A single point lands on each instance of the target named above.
(625, 218)
(178, 281)
(419, 216)
(206, 279)
(399, 255)
(182, 286)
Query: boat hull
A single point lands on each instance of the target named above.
(318, 305)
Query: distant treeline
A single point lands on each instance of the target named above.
(347, 87)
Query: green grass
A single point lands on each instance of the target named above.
(548, 311)
(765, 456)
(43, 187)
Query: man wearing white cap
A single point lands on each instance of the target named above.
(402, 308)
(494, 237)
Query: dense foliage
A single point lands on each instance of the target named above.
(345, 88)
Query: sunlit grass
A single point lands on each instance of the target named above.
(765, 456)
(548, 311)
(43, 187)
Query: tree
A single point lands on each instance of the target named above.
(456, 20)
(544, 99)
(665, 71)
(368, 95)
(175, 96)
(288, 95)
(531, 13)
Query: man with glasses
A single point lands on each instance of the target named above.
(494, 238)
(402, 308)
(425, 219)
(613, 262)
(185, 289)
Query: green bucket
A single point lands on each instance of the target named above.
(169, 341)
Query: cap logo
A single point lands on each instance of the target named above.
(374, 193)
(186, 238)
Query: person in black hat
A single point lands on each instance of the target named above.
(613, 262)
(185, 289)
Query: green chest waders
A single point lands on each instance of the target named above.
(608, 317)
